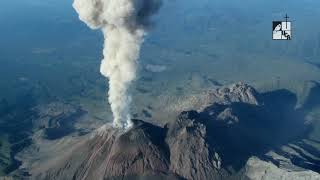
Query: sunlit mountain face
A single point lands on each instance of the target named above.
(209, 76)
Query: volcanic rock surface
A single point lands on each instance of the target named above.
(214, 143)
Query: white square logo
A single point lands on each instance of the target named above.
(281, 30)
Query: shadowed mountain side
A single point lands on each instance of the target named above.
(240, 130)
(212, 144)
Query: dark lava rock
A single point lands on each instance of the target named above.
(191, 156)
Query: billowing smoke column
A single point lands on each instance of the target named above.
(123, 23)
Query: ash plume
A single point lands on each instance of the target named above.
(124, 24)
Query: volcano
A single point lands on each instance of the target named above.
(214, 143)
